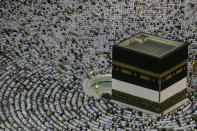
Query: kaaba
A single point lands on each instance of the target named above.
(149, 72)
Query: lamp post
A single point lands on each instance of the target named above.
(97, 86)
(91, 73)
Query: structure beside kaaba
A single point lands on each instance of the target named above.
(149, 72)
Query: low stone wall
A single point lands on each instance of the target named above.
(88, 83)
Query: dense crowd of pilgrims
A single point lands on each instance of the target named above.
(48, 47)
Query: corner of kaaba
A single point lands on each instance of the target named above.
(149, 72)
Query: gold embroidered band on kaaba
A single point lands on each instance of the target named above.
(150, 73)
